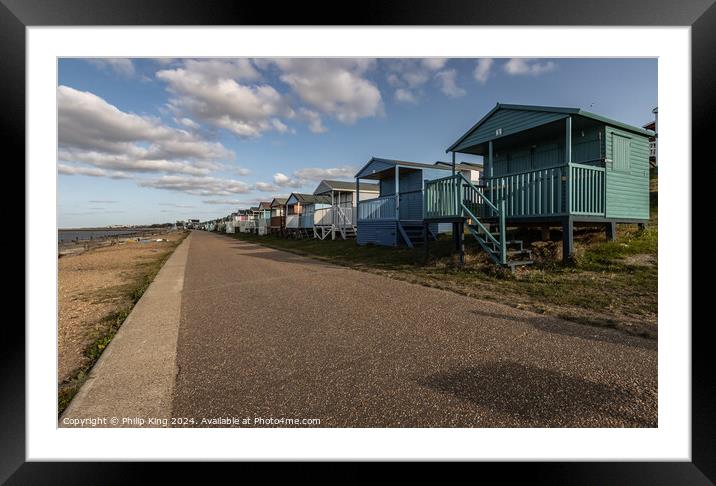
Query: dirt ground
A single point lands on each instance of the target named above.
(92, 285)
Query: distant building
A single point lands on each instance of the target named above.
(653, 144)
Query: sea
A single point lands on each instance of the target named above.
(66, 236)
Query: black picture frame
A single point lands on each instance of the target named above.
(700, 15)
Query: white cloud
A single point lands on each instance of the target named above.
(409, 76)
(242, 171)
(318, 174)
(266, 187)
(482, 70)
(532, 67)
(434, 63)
(130, 163)
(303, 177)
(187, 122)
(123, 67)
(90, 171)
(211, 90)
(448, 83)
(96, 133)
(199, 186)
(282, 180)
(315, 123)
(238, 69)
(405, 96)
(229, 202)
(335, 87)
(185, 206)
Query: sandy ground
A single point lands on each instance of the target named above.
(91, 285)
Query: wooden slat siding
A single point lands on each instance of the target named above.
(585, 149)
(411, 205)
(377, 232)
(511, 121)
(387, 186)
(627, 192)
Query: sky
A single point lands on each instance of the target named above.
(145, 141)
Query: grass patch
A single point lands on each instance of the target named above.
(110, 324)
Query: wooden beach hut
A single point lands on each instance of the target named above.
(395, 217)
(340, 218)
(231, 223)
(277, 224)
(545, 166)
(300, 213)
(263, 218)
(245, 220)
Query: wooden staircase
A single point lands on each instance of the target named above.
(516, 254)
(456, 197)
(413, 234)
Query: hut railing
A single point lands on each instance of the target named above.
(588, 190)
(292, 220)
(323, 217)
(344, 215)
(538, 192)
(380, 208)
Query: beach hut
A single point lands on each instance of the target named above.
(340, 218)
(263, 218)
(231, 223)
(277, 224)
(545, 166)
(395, 217)
(245, 222)
(221, 225)
(300, 213)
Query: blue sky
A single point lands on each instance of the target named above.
(156, 140)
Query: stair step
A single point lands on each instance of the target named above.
(519, 263)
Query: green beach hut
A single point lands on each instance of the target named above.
(545, 166)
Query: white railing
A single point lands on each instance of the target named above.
(292, 220)
(345, 216)
(341, 216)
(323, 217)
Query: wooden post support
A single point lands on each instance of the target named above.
(545, 233)
(461, 227)
(568, 161)
(611, 231)
(333, 215)
(567, 239)
(425, 240)
(397, 193)
(357, 198)
(488, 180)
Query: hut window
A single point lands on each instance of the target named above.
(621, 148)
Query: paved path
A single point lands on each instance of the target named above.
(268, 334)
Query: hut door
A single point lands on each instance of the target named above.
(616, 168)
